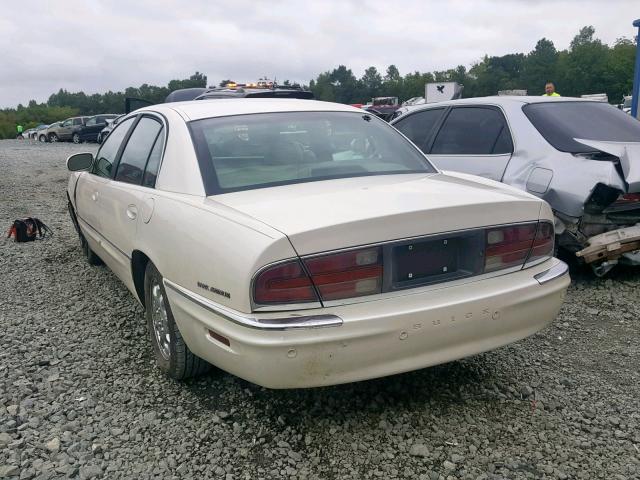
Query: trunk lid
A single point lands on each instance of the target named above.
(333, 214)
(629, 155)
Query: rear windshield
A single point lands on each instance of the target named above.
(254, 151)
(560, 122)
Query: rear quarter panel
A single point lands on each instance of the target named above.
(194, 246)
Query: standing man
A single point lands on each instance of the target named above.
(550, 90)
(19, 129)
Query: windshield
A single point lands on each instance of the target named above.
(560, 122)
(262, 150)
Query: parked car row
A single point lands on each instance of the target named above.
(74, 129)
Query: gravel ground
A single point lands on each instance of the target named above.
(80, 396)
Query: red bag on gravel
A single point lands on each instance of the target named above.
(28, 230)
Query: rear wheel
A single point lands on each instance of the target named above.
(76, 138)
(42, 138)
(53, 137)
(171, 352)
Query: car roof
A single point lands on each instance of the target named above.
(491, 100)
(198, 109)
(504, 99)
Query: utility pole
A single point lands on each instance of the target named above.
(636, 75)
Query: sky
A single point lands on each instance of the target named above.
(96, 46)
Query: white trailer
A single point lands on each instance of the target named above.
(439, 92)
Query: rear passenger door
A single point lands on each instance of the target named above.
(127, 200)
(473, 139)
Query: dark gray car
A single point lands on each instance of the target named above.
(581, 156)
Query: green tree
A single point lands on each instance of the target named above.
(540, 67)
(371, 82)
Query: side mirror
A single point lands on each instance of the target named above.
(79, 162)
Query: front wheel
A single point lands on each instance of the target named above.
(53, 137)
(171, 352)
(42, 138)
(76, 138)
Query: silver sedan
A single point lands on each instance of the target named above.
(582, 157)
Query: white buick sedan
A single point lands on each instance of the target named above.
(297, 243)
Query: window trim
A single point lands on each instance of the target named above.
(165, 128)
(118, 152)
(146, 164)
(209, 175)
(484, 155)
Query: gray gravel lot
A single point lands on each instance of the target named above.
(80, 396)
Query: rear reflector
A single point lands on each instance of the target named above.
(284, 283)
(347, 274)
(508, 246)
(220, 338)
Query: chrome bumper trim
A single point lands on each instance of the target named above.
(558, 270)
(283, 323)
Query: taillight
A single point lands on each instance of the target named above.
(356, 273)
(347, 274)
(630, 199)
(511, 246)
(543, 243)
(284, 283)
(508, 246)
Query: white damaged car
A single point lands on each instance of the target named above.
(297, 243)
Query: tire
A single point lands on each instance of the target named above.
(76, 138)
(99, 138)
(172, 355)
(53, 137)
(42, 138)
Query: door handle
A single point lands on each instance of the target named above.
(132, 212)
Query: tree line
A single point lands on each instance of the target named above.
(64, 104)
(588, 65)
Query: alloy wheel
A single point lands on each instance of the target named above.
(160, 321)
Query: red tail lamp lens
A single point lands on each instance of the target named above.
(508, 246)
(628, 199)
(348, 274)
(284, 283)
(543, 243)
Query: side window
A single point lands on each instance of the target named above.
(473, 131)
(92, 121)
(137, 151)
(103, 164)
(151, 171)
(418, 126)
(77, 121)
(66, 123)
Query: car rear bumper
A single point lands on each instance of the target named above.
(373, 338)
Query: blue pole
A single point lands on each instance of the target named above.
(636, 76)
